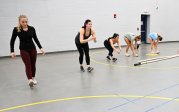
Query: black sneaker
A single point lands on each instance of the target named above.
(89, 69)
(114, 59)
(108, 58)
(82, 69)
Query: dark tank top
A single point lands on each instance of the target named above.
(77, 38)
(108, 40)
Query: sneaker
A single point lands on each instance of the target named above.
(108, 57)
(89, 69)
(114, 59)
(31, 83)
(35, 82)
(127, 55)
(136, 55)
(82, 69)
(152, 52)
(158, 52)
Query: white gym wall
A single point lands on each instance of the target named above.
(58, 21)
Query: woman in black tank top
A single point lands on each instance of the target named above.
(85, 35)
(109, 44)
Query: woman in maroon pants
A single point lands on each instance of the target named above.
(27, 47)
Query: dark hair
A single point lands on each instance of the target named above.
(138, 37)
(138, 46)
(160, 38)
(86, 22)
(115, 35)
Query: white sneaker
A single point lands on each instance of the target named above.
(152, 52)
(136, 55)
(31, 83)
(157, 52)
(35, 82)
(127, 55)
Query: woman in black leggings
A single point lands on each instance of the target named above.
(109, 44)
(81, 41)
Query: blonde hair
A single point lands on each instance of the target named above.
(19, 26)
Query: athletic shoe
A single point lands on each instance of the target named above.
(152, 52)
(82, 69)
(89, 69)
(114, 59)
(127, 55)
(108, 57)
(35, 82)
(158, 52)
(136, 55)
(31, 83)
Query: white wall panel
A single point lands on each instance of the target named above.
(58, 21)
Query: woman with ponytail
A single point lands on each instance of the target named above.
(27, 47)
(109, 45)
(86, 34)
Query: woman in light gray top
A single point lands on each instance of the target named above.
(132, 43)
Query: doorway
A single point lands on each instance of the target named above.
(145, 27)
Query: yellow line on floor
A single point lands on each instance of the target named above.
(124, 66)
(86, 97)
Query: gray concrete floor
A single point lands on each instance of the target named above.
(111, 87)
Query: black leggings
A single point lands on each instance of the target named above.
(83, 48)
(109, 48)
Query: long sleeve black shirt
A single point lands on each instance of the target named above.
(25, 37)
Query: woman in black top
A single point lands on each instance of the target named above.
(81, 41)
(27, 47)
(109, 44)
